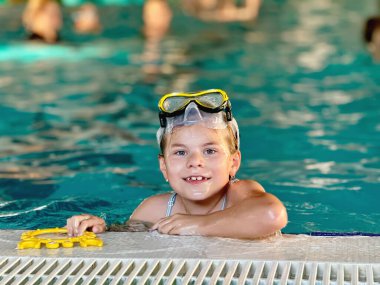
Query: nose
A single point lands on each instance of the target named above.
(195, 159)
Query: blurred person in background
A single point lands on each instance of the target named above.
(222, 10)
(86, 19)
(43, 20)
(372, 36)
(157, 17)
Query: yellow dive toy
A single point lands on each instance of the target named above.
(56, 237)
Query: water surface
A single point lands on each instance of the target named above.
(78, 120)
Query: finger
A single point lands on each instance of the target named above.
(167, 228)
(100, 226)
(80, 225)
(73, 224)
(166, 225)
(98, 229)
(71, 229)
(85, 222)
(154, 227)
(97, 224)
(76, 225)
(174, 230)
(159, 223)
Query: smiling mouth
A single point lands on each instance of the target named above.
(196, 179)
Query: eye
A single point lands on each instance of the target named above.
(210, 151)
(180, 152)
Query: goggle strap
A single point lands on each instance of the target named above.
(228, 113)
(162, 117)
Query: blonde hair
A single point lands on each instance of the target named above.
(230, 137)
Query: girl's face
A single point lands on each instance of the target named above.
(197, 162)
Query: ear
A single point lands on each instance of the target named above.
(161, 160)
(235, 160)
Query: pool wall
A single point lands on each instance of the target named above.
(151, 258)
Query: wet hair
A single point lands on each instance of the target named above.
(230, 137)
(370, 26)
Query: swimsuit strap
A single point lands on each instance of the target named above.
(172, 198)
(170, 204)
(224, 202)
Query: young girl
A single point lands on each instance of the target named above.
(200, 156)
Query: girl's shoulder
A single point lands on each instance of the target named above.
(241, 189)
(152, 208)
(158, 198)
(247, 185)
(159, 201)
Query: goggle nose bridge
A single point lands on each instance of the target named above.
(192, 112)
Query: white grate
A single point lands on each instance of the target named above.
(79, 271)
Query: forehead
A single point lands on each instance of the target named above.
(197, 133)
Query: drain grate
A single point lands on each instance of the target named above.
(79, 271)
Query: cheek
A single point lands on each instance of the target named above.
(221, 162)
(174, 165)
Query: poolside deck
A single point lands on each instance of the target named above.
(148, 256)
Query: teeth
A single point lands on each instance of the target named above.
(194, 178)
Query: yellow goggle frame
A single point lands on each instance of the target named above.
(201, 98)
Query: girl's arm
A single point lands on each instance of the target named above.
(252, 213)
(151, 209)
(147, 213)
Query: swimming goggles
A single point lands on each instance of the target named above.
(210, 101)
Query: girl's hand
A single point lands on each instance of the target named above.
(180, 224)
(76, 225)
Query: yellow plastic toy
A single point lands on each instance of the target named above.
(31, 240)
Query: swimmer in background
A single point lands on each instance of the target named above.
(200, 156)
(222, 10)
(86, 20)
(43, 20)
(157, 17)
(372, 36)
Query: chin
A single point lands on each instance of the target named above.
(198, 194)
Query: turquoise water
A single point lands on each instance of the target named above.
(78, 120)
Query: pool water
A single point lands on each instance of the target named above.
(78, 120)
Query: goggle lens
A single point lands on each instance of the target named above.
(212, 100)
(172, 104)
